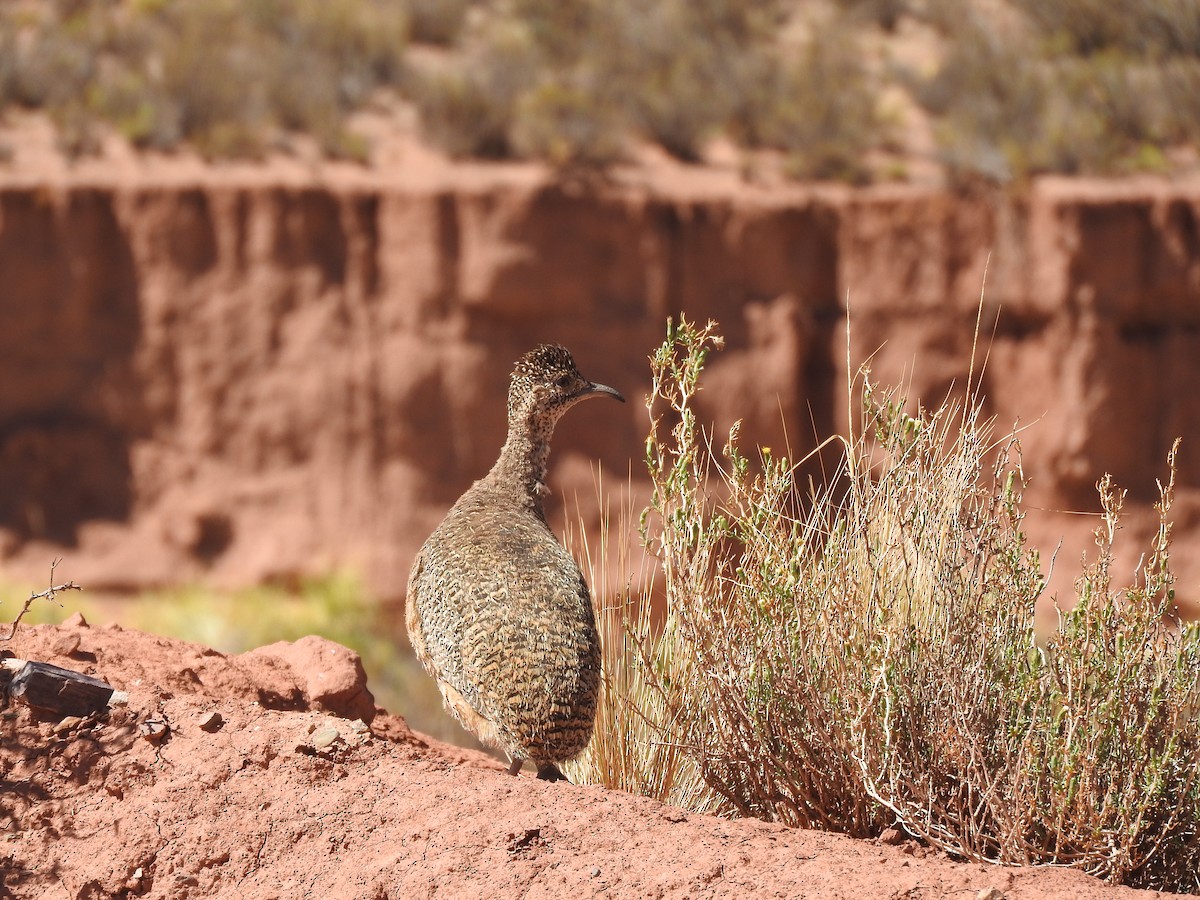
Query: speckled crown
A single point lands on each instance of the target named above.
(542, 359)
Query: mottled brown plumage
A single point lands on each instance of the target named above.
(498, 611)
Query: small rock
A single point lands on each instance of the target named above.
(358, 726)
(329, 677)
(891, 836)
(67, 723)
(211, 722)
(324, 738)
(74, 620)
(134, 881)
(119, 698)
(990, 893)
(66, 645)
(113, 626)
(154, 731)
(595, 872)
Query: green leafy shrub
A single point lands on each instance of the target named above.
(864, 653)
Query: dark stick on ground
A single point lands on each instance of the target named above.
(60, 691)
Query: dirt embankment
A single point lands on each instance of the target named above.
(236, 378)
(286, 796)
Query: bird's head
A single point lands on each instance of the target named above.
(546, 383)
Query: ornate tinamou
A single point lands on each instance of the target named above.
(498, 611)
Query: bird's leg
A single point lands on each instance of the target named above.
(550, 772)
(515, 766)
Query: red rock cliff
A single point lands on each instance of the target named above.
(231, 381)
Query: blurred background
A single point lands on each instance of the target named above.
(265, 267)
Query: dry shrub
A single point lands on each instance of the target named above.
(680, 65)
(818, 105)
(864, 653)
(677, 73)
(437, 21)
(569, 126)
(885, 13)
(468, 106)
(1142, 27)
(1075, 86)
(224, 75)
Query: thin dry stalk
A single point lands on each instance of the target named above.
(634, 745)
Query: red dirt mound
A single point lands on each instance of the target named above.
(290, 794)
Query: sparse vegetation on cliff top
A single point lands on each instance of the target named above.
(843, 89)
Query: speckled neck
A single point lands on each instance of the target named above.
(524, 459)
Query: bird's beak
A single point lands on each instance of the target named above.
(605, 389)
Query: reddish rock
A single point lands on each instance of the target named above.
(326, 676)
(225, 379)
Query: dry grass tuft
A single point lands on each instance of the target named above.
(643, 667)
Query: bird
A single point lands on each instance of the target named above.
(497, 610)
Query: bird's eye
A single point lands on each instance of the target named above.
(562, 382)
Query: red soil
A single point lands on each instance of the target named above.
(272, 805)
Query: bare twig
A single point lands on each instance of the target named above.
(50, 593)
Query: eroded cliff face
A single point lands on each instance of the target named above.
(239, 381)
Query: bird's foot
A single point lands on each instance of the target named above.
(550, 772)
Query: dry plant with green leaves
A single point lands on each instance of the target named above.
(863, 654)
